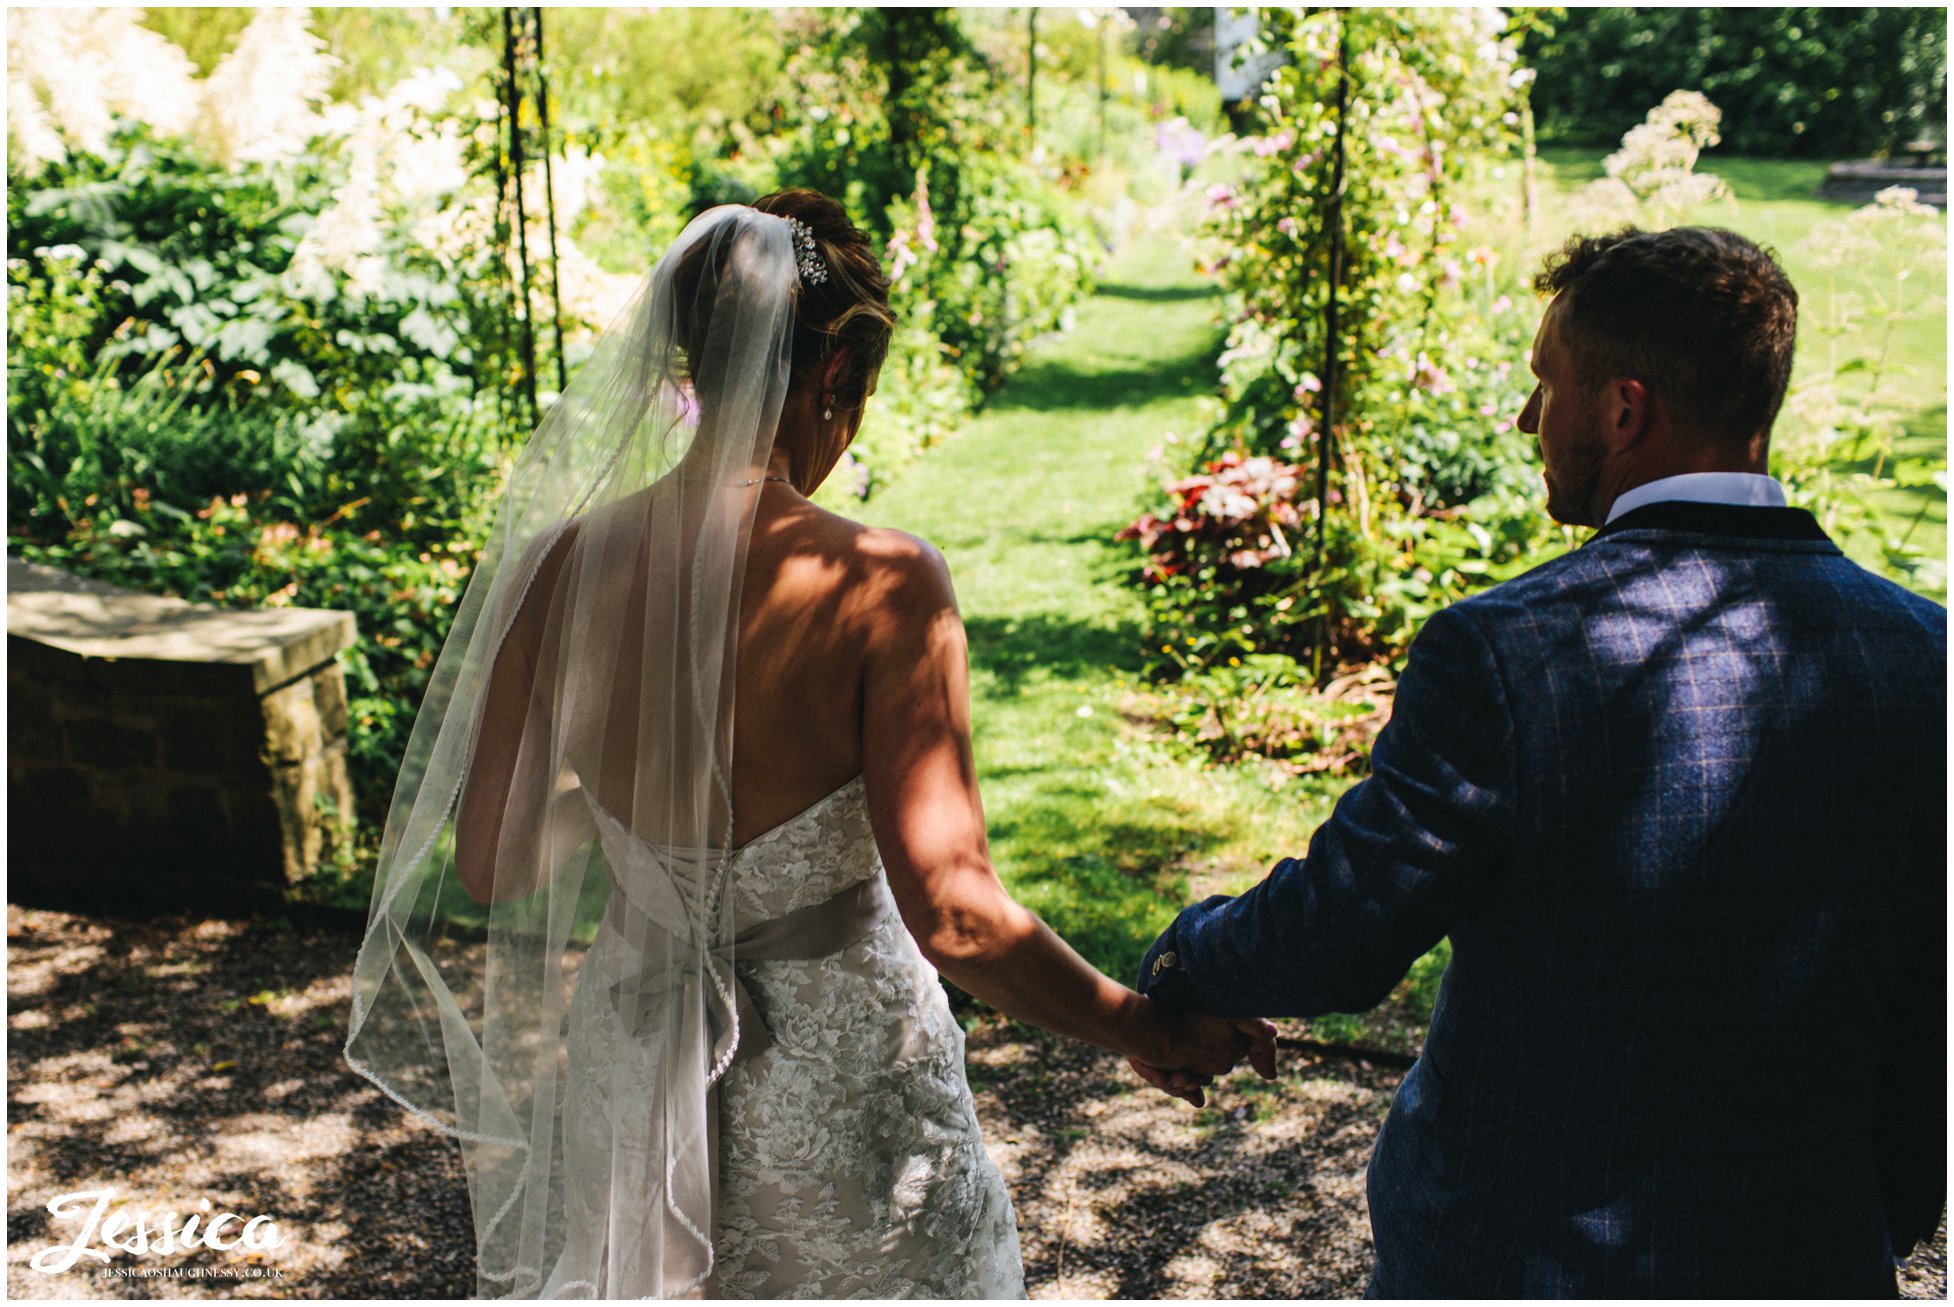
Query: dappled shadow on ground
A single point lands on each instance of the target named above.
(177, 1060)
(1057, 387)
(1124, 1193)
(1012, 649)
(1107, 887)
(180, 1059)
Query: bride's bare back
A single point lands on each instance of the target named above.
(821, 594)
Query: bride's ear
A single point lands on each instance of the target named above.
(835, 369)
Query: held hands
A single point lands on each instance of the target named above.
(1197, 1047)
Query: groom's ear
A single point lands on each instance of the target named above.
(1627, 412)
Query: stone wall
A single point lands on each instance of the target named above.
(163, 754)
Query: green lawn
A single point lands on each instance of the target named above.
(1103, 832)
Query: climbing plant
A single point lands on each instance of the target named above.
(1370, 371)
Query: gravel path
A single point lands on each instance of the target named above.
(179, 1060)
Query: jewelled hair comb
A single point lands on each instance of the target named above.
(813, 269)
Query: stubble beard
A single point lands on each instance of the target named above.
(1573, 494)
(1573, 504)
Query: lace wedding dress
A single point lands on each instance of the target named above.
(849, 1159)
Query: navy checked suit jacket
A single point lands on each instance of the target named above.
(1679, 800)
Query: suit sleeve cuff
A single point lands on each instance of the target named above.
(1165, 974)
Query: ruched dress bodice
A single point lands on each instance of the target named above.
(849, 1159)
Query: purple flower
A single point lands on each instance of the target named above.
(1181, 141)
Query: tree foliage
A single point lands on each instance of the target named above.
(1790, 81)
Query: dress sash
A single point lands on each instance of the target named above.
(817, 930)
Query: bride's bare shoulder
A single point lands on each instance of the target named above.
(892, 570)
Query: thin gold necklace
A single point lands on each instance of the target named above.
(757, 480)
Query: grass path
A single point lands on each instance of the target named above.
(1091, 824)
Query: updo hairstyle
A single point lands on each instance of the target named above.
(850, 308)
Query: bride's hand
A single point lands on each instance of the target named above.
(1196, 1047)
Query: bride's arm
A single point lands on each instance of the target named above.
(501, 819)
(929, 824)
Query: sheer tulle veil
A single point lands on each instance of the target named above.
(588, 678)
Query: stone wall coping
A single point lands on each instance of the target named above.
(1899, 173)
(170, 643)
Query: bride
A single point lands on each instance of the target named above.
(689, 826)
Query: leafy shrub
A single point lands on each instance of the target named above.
(1848, 445)
(187, 415)
(1260, 708)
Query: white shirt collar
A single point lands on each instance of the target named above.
(1746, 488)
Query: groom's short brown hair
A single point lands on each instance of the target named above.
(1703, 316)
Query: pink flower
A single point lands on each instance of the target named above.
(1300, 429)
(925, 216)
(1222, 196)
(901, 257)
(1180, 141)
(1430, 377)
(1287, 226)
(1309, 385)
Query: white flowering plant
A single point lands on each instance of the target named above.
(1846, 445)
(255, 336)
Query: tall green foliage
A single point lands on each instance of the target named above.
(1331, 540)
(1795, 81)
(897, 105)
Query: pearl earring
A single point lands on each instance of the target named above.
(828, 408)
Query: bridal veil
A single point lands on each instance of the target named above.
(588, 677)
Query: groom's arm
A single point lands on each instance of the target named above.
(1400, 857)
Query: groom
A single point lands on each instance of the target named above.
(1678, 798)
